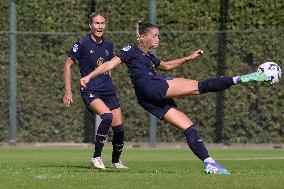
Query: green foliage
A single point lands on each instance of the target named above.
(252, 113)
(4, 7)
(53, 16)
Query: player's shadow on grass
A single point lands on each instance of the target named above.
(108, 169)
(67, 166)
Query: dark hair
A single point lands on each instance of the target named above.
(142, 28)
(94, 14)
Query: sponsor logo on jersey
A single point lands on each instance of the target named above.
(126, 48)
(107, 53)
(153, 68)
(91, 95)
(100, 61)
(75, 48)
(91, 51)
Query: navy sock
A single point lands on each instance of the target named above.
(195, 143)
(117, 142)
(215, 84)
(102, 133)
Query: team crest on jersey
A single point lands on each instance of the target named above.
(153, 68)
(100, 61)
(75, 48)
(107, 53)
(126, 48)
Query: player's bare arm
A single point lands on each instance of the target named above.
(172, 64)
(105, 67)
(67, 99)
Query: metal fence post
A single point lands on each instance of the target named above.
(222, 45)
(153, 119)
(12, 73)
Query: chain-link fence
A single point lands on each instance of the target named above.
(245, 109)
(244, 113)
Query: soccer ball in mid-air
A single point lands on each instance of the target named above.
(272, 70)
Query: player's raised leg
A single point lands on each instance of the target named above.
(195, 143)
(182, 87)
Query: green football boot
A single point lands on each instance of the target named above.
(255, 76)
(215, 168)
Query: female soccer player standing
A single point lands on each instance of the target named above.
(99, 96)
(155, 92)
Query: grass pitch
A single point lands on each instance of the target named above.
(46, 167)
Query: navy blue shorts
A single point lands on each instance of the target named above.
(152, 96)
(111, 101)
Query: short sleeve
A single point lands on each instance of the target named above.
(111, 53)
(126, 54)
(76, 51)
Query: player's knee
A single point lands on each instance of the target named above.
(117, 120)
(192, 87)
(107, 118)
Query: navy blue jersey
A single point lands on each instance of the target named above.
(150, 88)
(90, 55)
(141, 66)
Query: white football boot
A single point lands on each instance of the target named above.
(118, 165)
(98, 163)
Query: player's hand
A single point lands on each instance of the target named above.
(67, 99)
(196, 53)
(84, 81)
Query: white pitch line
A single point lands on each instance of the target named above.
(48, 177)
(253, 158)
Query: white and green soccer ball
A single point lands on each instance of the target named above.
(272, 70)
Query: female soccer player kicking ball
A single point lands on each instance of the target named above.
(92, 51)
(155, 92)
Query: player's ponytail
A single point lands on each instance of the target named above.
(137, 29)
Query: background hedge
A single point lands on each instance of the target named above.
(244, 113)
